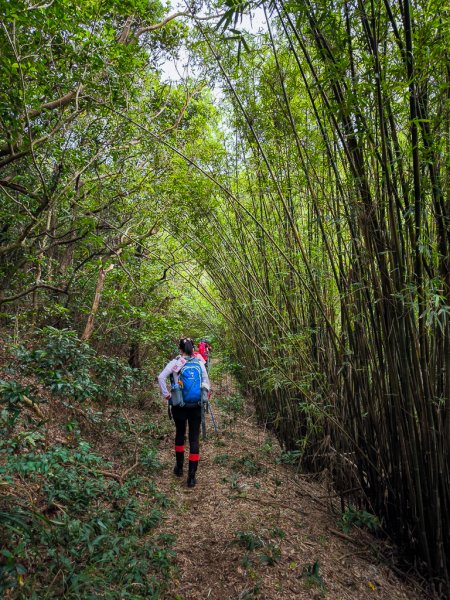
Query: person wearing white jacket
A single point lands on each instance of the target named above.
(190, 412)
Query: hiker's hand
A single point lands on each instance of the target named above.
(169, 398)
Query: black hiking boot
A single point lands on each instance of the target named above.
(178, 468)
(191, 481)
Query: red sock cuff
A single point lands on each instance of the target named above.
(194, 457)
(179, 448)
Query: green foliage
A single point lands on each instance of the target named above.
(359, 518)
(277, 532)
(234, 482)
(310, 281)
(62, 363)
(226, 365)
(79, 164)
(250, 593)
(88, 545)
(312, 575)
(115, 379)
(246, 561)
(289, 457)
(271, 555)
(149, 459)
(332, 220)
(277, 481)
(247, 465)
(221, 459)
(149, 521)
(71, 368)
(248, 540)
(12, 395)
(155, 429)
(267, 447)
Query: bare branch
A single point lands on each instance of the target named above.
(58, 103)
(10, 153)
(183, 110)
(31, 290)
(142, 30)
(16, 201)
(17, 188)
(126, 31)
(96, 302)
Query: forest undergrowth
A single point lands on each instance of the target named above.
(89, 506)
(78, 501)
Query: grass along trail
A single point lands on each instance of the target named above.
(254, 528)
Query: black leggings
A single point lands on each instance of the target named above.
(193, 416)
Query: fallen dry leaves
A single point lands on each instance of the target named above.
(271, 503)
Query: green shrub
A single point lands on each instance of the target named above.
(248, 540)
(62, 363)
(116, 380)
(149, 521)
(290, 457)
(95, 544)
(247, 465)
(150, 460)
(277, 532)
(271, 554)
(359, 518)
(71, 368)
(221, 459)
(12, 395)
(267, 447)
(312, 575)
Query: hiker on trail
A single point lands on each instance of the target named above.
(188, 377)
(203, 349)
(198, 356)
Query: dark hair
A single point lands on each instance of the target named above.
(187, 346)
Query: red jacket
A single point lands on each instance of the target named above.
(203, 349)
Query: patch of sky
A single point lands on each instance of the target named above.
(181, 67)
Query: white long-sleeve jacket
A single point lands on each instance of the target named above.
(173, 367)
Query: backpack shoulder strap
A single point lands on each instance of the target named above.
(172, 375)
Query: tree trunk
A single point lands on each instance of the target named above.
(98, 292)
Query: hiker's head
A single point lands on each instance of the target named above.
(187, 346)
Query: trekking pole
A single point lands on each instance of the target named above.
(203, 422)
(204, 405)
(212, 417)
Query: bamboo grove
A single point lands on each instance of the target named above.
(333, 252)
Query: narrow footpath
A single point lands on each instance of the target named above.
(254, 528)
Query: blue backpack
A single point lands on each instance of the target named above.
(189, 380)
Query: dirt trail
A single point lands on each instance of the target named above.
(252, 528)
